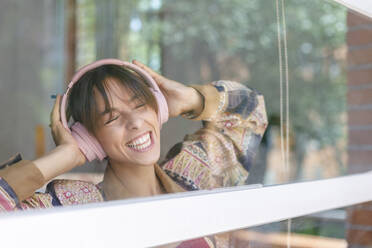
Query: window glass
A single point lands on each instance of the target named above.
(245, 49)
(314, 70)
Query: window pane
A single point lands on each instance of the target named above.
(329, 77)
(336, 228)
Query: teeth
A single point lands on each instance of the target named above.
(142, 146)
(141, 143)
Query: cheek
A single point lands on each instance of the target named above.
(154, 122)
(152, 116)
(108, 137)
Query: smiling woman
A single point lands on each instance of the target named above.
(122, 113)
(130, 134)
(96, 83)
(116, 105)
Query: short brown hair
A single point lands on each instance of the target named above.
(82, 105)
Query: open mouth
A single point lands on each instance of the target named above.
(142, 143)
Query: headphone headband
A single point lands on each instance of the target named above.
(99, 63)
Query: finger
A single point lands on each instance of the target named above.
(55, 115)
(159, 79)
(148, 69)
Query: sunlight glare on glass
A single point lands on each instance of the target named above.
(155, 4)
(135, 24)
(306, 48)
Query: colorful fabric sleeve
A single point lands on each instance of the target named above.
(23, 171)
(221, 153)
(18, 182)
(8, 199)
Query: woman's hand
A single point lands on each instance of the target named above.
(66, 155)
(63, 137)
(180, 98)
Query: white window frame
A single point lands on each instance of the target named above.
(146, 222)
(363, 7)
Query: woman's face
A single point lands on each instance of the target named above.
(131, 135)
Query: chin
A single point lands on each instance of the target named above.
(151, 161)
(148, 159)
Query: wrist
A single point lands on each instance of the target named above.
(195, 104)
(77, 157)
(72, 157)
(58, 161)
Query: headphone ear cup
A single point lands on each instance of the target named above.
(87, 143)
(163, 112)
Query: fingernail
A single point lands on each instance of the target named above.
(53, 96)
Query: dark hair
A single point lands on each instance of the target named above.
(82, 104)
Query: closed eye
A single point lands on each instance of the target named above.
(140, 105)
(111, 120)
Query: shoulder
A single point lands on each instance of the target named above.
(73, 192)
(189, 166)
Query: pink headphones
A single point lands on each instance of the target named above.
(89, 144)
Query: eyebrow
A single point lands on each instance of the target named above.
(108, 110)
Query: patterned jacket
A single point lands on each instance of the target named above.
(219, 154)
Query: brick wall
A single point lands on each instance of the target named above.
(359, 98)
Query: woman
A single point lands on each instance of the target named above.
(116, 106)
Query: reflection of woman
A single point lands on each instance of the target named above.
(116, 106)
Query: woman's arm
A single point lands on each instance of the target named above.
(234, 109)
(20, 180)
(66, 155)
(58, 161)
(25, 177)
(221, 153)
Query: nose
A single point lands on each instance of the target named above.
(133, 122)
